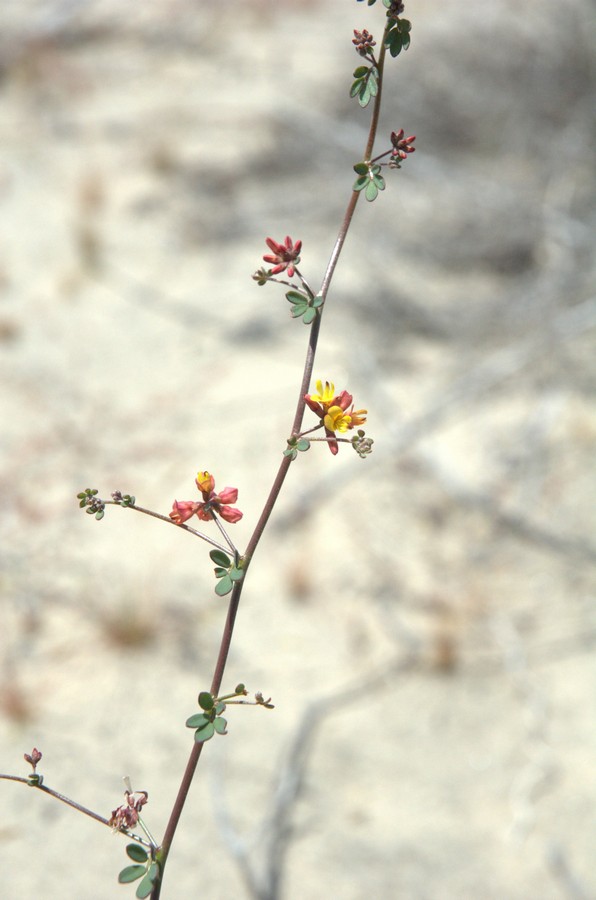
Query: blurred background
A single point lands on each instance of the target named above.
(423, 619)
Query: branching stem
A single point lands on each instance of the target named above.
(275, 488)
(78, 806)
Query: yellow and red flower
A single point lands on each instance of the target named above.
(212, 503)
(332, 409)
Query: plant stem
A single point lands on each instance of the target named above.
(78, 806)
(156, 515)
(273, 493)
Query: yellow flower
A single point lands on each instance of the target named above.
(205, 482)
(337, 419)
(326, 394)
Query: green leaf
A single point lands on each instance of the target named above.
(361, 183)
(298, 310)
(303, 444)
(145, 887)
(398, 38)
(371, 191)
(206, 701)
(364, 96)
(219, 573)
(199, 720)
(205, 734)
(361, 71)
(153, 871)
(236, 574)
(224, 586)
(318, 301)
(136, 852)
(309, 315)
(379, 181)
(290, 452)
(206, 723)
(240, 688)
(296, 297)
(356, 87)
(220, 558)
(100, 514)
(220, 725)
(131, 873)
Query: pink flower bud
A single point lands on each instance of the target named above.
(230, 513)
(228, 495)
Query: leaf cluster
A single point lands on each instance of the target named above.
(296, 445)
(210, 721)
(369, 180)
(91, 503)
(226, 571)
(144, 868)
(366, 85)
(397, 37)
(304, 306)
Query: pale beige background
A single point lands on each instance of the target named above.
(446, 583)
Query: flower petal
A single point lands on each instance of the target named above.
(228, 495)
(230, 514)
(182, 510)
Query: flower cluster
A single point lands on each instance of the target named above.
(363, 42)
(332, 409)
(127, 815)
(212, 504)
(402, 145)
(396, 8)
(284, 256)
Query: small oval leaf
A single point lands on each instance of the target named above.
(197, 721)
(206, 701)
(131, 873)
(220, 558)
(224, 586)
(205, 734)
(136, 852)
(371, 191)
(145, 887)
(296, 297)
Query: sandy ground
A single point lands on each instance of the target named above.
(423, 619)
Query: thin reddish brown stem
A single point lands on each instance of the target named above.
(273, 494)
(78, 806)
